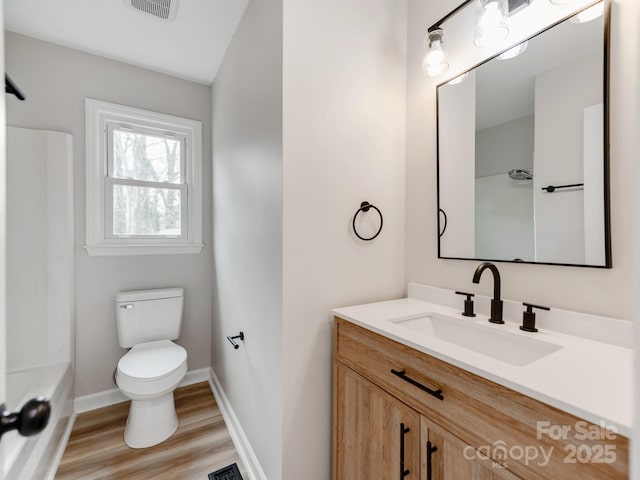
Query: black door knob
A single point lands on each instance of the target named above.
(31, 419)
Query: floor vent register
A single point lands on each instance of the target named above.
(227, 473)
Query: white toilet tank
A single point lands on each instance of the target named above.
(149, 315)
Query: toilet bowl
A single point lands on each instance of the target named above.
(148, 374)
(148, 321)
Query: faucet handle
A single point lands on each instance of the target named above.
(529, 317)
(468, 304)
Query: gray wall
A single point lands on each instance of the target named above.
(504, 147)
(598, 291)
(56, 81)
(247, 178)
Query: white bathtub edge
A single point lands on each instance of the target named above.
(57, 458)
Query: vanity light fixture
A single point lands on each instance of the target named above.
(435, 59)
(491, 24)
(589, 14)
(515, 51)
(491, 27)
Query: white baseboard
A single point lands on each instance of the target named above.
(87, 403)
(243, 447)
(195, 376)
(94, 401)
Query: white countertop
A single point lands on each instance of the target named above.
(589, 379)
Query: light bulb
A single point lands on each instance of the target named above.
(435, 70)
(589, 14)
(515, 51)
(491, 26)
(434, 61)
(435, 55)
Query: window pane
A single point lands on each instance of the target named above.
(146, 211)
(140, 156)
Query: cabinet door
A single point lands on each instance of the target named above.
(446, 457)
(376, 437)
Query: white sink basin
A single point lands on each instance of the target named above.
(504, 346)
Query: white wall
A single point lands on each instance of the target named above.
(457, 146)
(559, 159)
(344, 142)
(247, 225)
(504, 218)
(40, 303)
(594, 209)
(3, 231)
(599, 291)
(56, 80)
(630, 20)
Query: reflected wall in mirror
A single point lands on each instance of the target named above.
(515, 126)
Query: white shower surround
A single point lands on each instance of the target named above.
(40, 289)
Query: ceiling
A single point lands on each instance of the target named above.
(191, 46)
(505, 88)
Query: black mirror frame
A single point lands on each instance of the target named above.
(606, 154)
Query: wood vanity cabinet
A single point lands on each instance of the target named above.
(447, 457)
(378, 437)
(402, 414)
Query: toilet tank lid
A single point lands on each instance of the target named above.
(155, 294)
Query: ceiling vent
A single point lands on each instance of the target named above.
(162, 9)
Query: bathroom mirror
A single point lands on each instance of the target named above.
(523, 173)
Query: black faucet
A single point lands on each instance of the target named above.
(496, 303)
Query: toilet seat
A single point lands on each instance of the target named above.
(151, 368)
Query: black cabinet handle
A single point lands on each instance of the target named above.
(403, 432)
(430, 449)
(31, 419)
(403, 376)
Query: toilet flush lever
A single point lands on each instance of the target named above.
(128, 306)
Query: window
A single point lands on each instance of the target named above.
(144, 192)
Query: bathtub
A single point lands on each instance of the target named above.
(30, 458)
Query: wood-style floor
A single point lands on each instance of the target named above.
(201, 445)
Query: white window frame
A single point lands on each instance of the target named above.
(111, 180)
(100, 119)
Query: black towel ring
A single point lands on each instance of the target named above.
(444, 228)
(364, 207)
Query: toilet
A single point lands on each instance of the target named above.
(148, 321)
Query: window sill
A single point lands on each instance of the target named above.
(124, 250)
